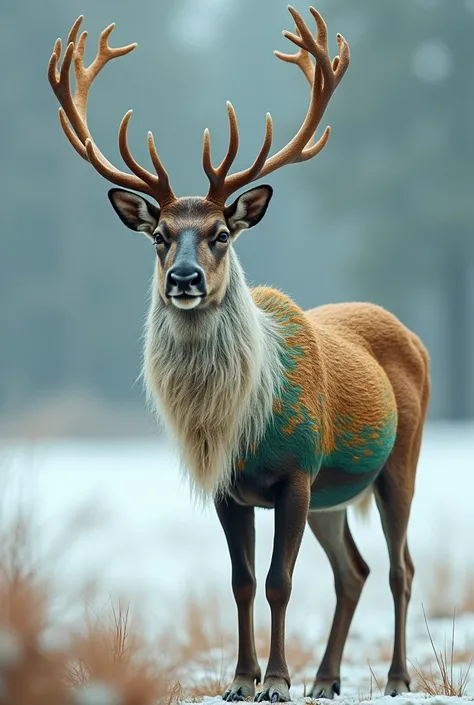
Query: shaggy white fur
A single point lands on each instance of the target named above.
(212, 375)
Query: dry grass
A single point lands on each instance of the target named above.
(69, 669)
(449, 680)
(467, 604)
(203, 649)
(441, 592)
(46, 661)
(444, 592)
(113, 652)
(384, 651)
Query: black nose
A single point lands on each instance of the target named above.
(184, 277)
(186, 280)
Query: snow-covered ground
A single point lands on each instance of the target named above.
(152, 544)
(412, 699)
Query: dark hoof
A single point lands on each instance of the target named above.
(397, 686)
(274, 691)
(265, 696)
(325, 689)
(241, 689)
(233, 696)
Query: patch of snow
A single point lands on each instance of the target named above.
(144, 537)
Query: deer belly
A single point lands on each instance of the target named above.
(361, 452)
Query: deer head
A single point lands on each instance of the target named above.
(192, 236)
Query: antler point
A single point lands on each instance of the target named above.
(105, 34)
(293, 12)
(151, 139)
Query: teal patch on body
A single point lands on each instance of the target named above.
(294, 433)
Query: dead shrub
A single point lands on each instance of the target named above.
(450, 680)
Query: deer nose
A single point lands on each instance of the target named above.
(184, 278)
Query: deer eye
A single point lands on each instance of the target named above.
(222, 237)
(158, 239)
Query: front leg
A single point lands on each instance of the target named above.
(291, 512)
(238, 523)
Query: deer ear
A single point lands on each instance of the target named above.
(248, 209)
(136, 212)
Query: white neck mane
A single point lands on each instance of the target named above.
(212, 376)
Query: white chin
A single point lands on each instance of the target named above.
(187, 304)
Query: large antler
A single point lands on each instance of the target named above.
(324, 76)
(73, 115)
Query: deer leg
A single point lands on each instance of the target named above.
(350, 573)
(238, 523)
(291, 511)
(393, 497)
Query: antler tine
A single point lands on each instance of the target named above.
(317, 46)
(160, 182)
(165, 192)
(126, 154)
(236, 181)
(73, 112)
(217, 176)
(302, 58)
(324, 76)
(72, 36)
(71, 135)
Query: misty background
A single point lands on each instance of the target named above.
(385, 213)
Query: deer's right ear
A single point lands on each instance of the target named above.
(136, 212)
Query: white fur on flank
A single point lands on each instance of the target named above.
(212, 375)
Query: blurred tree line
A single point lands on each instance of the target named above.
(384, 213)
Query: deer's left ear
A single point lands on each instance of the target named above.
(248, 209)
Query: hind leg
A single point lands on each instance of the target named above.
(350, 573)
(393, 491)
(393, 501)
